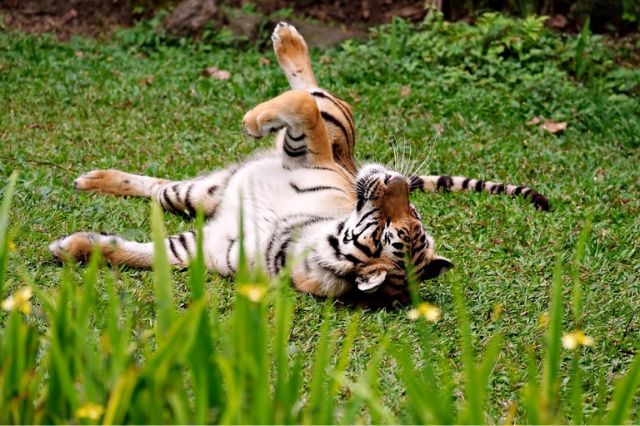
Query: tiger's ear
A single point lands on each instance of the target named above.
(438, 266)
(371, 281)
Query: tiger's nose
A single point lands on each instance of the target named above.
(396, 184)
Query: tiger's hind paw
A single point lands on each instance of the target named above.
(75, 247)
(288, 41)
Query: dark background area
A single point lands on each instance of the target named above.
(96, 17)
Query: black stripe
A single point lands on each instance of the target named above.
(465, 183)
(518, 190)
(479, 185)
(228, 256)
(173, 249)
(351, 258)
(331, 119)
(280, 257)
(313, 188)
(335, 244)
(340, 107)
(498, 189)
(212, 189)
(294, 152)
(416, 183)
(540, 201)
(183, 241)
(295, 138)
(445, 183)
(366, 250)
(187, 202)
(168, 202)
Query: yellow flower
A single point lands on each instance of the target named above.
(577, 338)
(425, 310)
(253, 292)
(19, 300)
(496, 313)
(12, 246)
(543, 320)
(90, 410)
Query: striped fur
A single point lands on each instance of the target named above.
(345, 231)
(445, 183)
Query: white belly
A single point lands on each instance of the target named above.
(267, 194)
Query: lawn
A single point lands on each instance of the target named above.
(441, 98)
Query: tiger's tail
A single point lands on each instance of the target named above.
(434, 183)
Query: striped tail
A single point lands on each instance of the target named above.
(460, 183)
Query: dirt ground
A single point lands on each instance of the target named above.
(97, 17)
(65, 18)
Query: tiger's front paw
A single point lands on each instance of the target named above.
(105, 181)
(76, 247)
(261, 121)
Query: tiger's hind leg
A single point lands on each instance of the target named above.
(78, 247)
(181, 197)
(293, 56)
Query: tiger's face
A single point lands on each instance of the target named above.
(384, 232)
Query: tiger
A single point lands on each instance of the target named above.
(339, 229)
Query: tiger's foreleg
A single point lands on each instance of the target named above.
(78, 247)
(305, 141)
(181, 197)
(435, 183)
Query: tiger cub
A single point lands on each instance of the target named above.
(347, 230)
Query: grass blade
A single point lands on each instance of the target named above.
(624, 394)
(550, 380)
(161, 273)
(4, 226)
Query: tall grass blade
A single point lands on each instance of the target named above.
(576, 294)
(317, 411)
(550, 380)
(205, 373)
(161, 273)
(532, 393)
(472, 413)
(4, 227)
(625, 391)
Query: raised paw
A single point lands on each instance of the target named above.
(293, 57)
(261, 121)
(104, 181)
(287, 40)
(76, 247)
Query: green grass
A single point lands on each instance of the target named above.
(472, 90)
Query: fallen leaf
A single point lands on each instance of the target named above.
(325, 59)
(147, 81)
(535, 120)
(554, 127)
(216, 73)
(264, 61)
(405, 91)
(79, 54)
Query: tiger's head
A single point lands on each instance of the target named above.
(383, 232)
